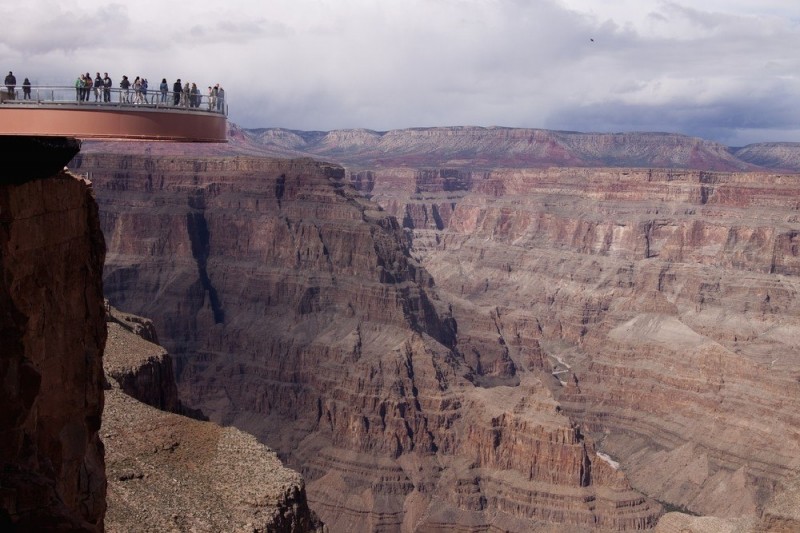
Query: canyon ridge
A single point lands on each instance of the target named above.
(479, 328)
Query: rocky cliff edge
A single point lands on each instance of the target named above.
(167, 472)
(52, 333)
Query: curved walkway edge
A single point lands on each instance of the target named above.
(106, 122)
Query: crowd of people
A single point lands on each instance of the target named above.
(85, 86)
(136, 92)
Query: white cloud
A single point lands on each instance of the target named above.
(328, 64)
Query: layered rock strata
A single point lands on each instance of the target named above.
(295, 312)
(170, 473)
(52, 333)
(664, 303)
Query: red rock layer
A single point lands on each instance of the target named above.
(52, 332)
(295, 312)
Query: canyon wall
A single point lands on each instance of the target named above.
(664, 302)
(52, 333)
(295, 311)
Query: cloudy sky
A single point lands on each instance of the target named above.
(726, 71)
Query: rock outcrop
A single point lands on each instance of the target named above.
(295, 311)
(32, 158)
(140, 367)
(52, 334)
(170, 473)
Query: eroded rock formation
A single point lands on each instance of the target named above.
(295, 311)
(168, 472)
(140, 367)
(664, 302)
(52, 333)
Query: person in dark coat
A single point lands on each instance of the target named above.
(125, 90)
(26, 89)
(176, 92)
(11, 83)
(221, 100)
(106, 87)
(194, 96)
(164, 88)
(98, 88)
(87, 86)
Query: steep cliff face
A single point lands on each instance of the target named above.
(296, 313)
(664, 303)
(168, 472)
(52, 333)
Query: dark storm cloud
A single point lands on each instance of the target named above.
(725, 120)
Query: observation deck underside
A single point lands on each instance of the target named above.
(103, 121)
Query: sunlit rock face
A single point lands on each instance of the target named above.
(665, 303)
(52, 333)
(296, 310)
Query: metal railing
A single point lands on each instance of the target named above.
(113, 97)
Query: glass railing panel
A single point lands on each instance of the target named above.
(114, 96)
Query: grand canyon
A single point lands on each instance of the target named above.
(439, 329)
